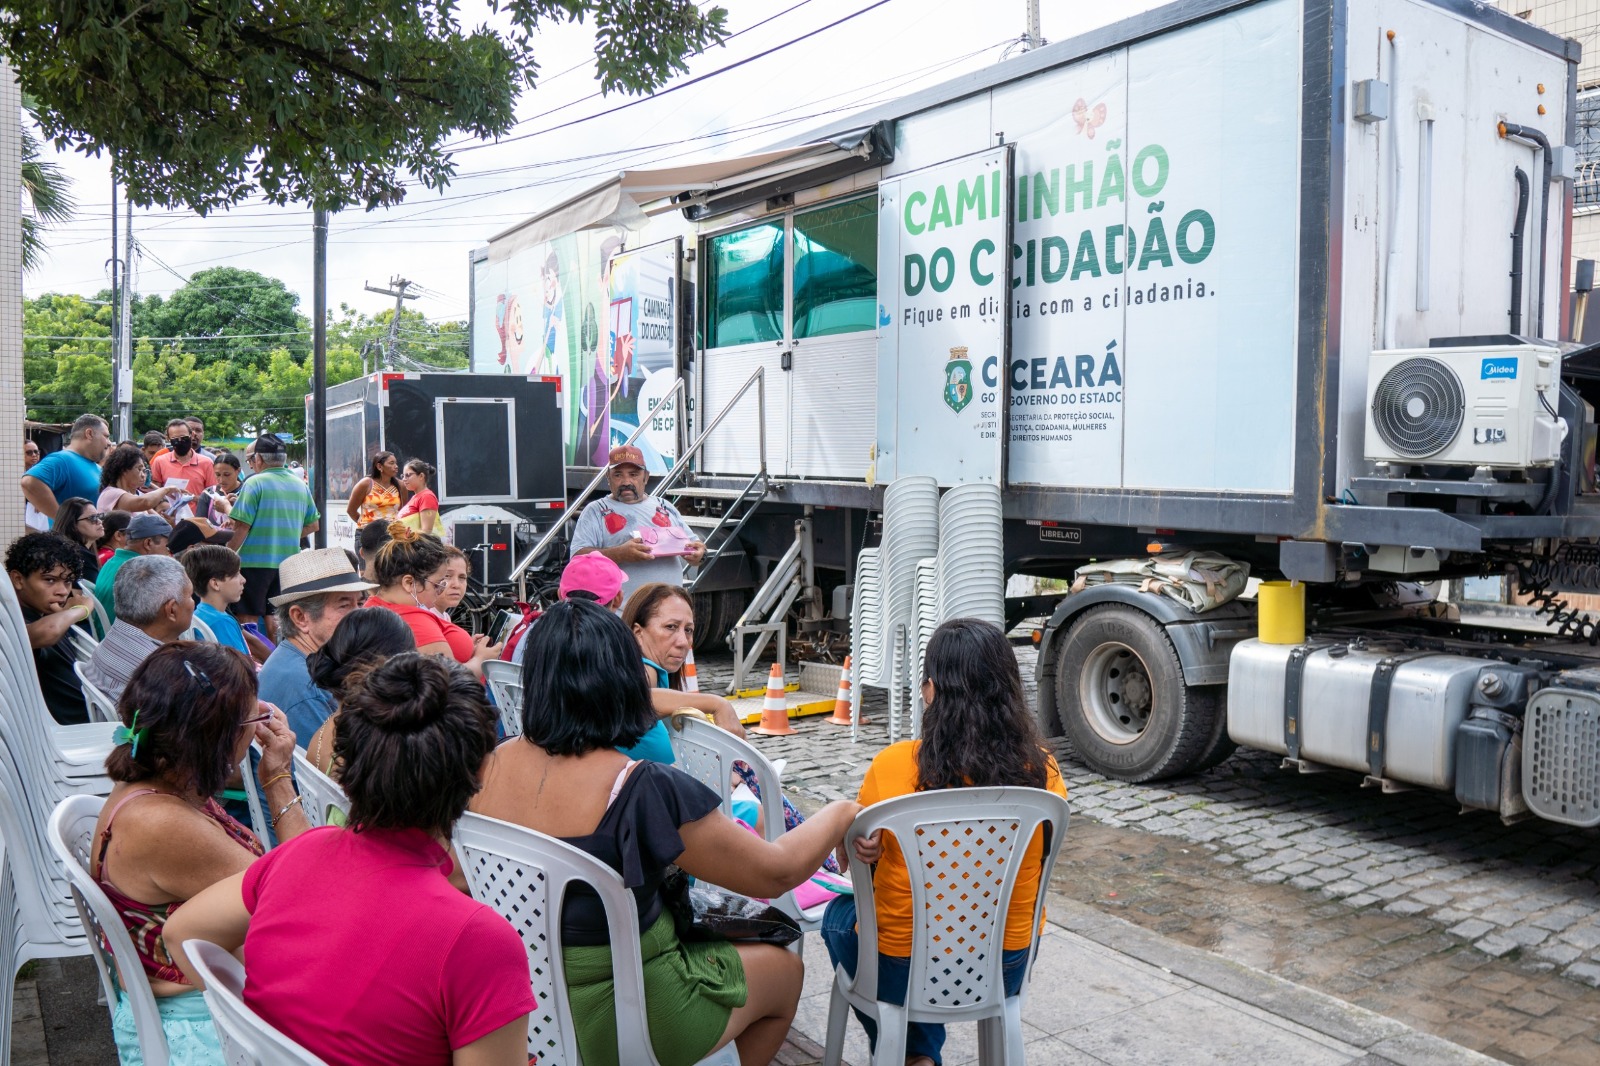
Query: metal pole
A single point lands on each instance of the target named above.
(318, 457)
(116, 296)
(122, 377)
(1035, 38)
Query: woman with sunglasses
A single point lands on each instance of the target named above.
(82, 523)
(188, 716)
(411, 572)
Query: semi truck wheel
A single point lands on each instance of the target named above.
(714, 615)
(1218, 745)
(1122, 701)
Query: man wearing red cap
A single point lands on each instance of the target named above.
(634, 529)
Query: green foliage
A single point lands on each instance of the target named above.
(258, 312)
(238, 384)
(205, 104)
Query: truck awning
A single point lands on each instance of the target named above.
(701, 190)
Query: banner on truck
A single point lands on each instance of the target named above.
(581, 309)
(1153, 268)
(942, 345)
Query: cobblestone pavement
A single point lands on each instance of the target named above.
(1486, 934)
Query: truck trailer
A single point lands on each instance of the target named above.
(1283, 282)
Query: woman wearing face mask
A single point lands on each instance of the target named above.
(378, 496)
(410, 572)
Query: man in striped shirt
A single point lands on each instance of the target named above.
(274, 511)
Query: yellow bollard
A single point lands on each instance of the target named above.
(1281, 612)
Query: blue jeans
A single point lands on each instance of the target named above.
(894, 974)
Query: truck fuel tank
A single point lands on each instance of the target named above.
(1391, 713)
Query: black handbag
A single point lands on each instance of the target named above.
(702, 912)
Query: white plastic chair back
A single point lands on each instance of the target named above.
(505, 681)
(102, 708)
(198, 630)
(525, 876)
(968, 845)
(260, 822)
(82, 643)
(47, 923)
(10, 926)
(102, 621)
(247, 1040)
(72, 837)
(70, 754)
(707, 754)
(320, 795)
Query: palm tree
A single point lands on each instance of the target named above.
(48, 193)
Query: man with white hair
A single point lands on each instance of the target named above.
(155, 606)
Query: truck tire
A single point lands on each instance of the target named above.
(1122, 700)
(714, 615)
(1218, 745)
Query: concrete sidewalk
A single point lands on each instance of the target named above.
(1108, 992)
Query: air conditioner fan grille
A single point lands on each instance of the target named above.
(1418, 407)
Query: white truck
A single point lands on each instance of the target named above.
(1283, 280)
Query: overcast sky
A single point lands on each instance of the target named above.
(890, 51)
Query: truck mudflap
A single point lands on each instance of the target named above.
(1561, 755)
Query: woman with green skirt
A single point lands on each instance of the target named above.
(584, 698)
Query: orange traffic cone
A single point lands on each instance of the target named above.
(775, 708)
(841, 702)
(690, 679)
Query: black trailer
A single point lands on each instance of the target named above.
(494, 439)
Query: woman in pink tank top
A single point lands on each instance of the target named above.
(188, 716)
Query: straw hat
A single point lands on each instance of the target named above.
(311, 573)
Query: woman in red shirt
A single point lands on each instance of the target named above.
(410, 570)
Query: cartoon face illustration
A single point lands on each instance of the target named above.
(508, 323)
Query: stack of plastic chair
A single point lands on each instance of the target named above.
(525, 876)
(505, 683)
(320, 795)
(41, 764)
(910, 535)
(967, 846)
(10, 926)
(971, 579)
(82, 643)
(866, 636)
(246, 1038)
(707, 754)
(71, 836)
(927, 621)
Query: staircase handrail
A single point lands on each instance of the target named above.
(758, 379)
(520, 571)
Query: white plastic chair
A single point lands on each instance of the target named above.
(247, 1040)
(525, 876)
(102, 708)
(707, 754)
(505, 681)
(102, 621)
(71, 837)
(260, 822)
(967, 845)
(10, 927)
(320, 795)
(198, 630)
(72, 753)
(82, 643)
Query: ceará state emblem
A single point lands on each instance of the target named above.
(958, 380)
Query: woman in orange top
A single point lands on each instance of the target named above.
(977, 731)
(378, 496)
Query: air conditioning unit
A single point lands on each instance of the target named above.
(1491, 405)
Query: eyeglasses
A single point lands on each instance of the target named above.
(100, 518)
(256, 720)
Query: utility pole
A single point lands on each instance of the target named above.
(1033, 38)
(318, 457)
(399, 288)
(122, 376)
(116, 297)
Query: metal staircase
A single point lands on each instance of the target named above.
(721, 531)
